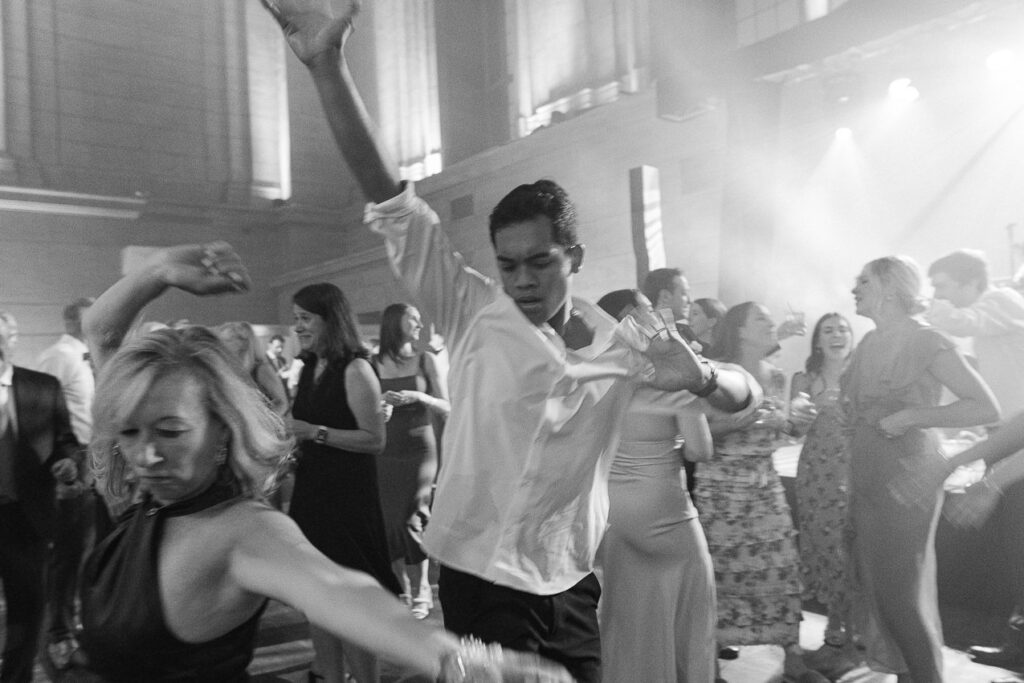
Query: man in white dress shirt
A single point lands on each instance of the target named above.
(539, 379)
(966, 305)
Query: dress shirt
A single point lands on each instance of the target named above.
(67, 361)
(522, 495)
(7, 405)
(996, 323)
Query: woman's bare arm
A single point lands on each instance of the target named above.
(213, 268)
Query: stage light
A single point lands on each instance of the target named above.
(902, 90)
(843, 134)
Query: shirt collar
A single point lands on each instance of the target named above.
(76, 343)
(7, 374)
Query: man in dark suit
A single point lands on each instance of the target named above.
(37, 449)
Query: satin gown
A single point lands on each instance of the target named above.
(896, 611)
(410, 441)
(657, 607)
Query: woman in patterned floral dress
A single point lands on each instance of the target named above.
(743, 505)
(821, 488)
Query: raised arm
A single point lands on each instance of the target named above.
(676, 367)
(201, 269)
(417, 246)
(317, 37)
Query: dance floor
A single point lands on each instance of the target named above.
(284, 651)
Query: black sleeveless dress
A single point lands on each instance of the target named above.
(410, 441)
(124, 636)
(336, 500)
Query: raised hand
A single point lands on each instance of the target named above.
(310, 26)
(202, 269)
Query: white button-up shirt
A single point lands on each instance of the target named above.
(522, 492)
(7, 407)
(996, 323)
(66, 360)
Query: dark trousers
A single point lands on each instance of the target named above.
(22, 567)
(1009, 518)
(73, 537)
(561, 627)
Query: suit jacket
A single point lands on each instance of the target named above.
(44, 437)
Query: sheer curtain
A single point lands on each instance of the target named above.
(569, 55)
(406, 59)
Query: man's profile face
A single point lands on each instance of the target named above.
(678, 298)
(8, 339)
(535, 270)
(948, 289)
(276, 347)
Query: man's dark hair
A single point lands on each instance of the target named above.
(542, 198)
(963, 266)
(659, 279)
(73, 311)
(277, 337)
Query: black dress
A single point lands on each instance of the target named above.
(336, 501)
(124, 635)
(410, 442)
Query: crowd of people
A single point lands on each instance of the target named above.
(571, 437)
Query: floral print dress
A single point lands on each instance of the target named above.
(751, 536)
(822, 500)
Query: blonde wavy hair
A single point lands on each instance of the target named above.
(901, 276)
(258, 443)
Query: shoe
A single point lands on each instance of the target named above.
(1005, 657)
(729, 653)
(834, 661)
(61, 652)
(421, 609)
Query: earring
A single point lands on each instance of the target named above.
(222, 455)
(115, 450)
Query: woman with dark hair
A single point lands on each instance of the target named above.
(658, 600)
(339, 425)
(705, 314)
(821, 491)
(186, 443)
(890, 395)
(416, 390)
(743, 505)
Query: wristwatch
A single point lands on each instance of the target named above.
(321, 435)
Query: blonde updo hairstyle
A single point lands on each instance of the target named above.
(258, 443)
(901, 278)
